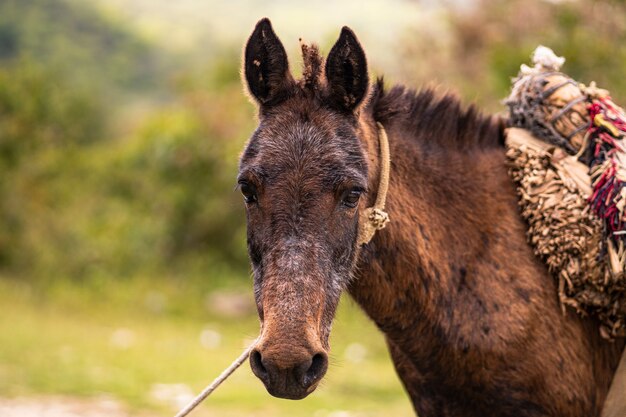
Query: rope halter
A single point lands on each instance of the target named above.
(375, 217)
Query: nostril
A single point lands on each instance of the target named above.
(316, 371)
(256, 362)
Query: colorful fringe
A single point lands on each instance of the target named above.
(608, 176)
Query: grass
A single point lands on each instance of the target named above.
(152, 343)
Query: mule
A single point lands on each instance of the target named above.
(470, 316)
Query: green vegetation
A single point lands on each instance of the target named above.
(86, 192)
(88, 48)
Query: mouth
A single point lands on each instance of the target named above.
(290, 393)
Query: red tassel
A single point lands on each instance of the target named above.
(607, 187)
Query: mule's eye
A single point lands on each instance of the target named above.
(351, 197)
(249, 192)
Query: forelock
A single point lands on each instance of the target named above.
(313, 63)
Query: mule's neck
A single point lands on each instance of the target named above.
(467, 309)
(441, 234)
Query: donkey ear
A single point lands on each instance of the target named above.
(265, 65)
(346, 71)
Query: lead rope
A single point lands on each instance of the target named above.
(217, 381)
(371, 219)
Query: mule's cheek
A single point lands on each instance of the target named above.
(258, 296)
(261, 313)
(256, 253)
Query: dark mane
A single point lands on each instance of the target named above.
(436, 118)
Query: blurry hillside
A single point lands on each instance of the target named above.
(120, 122)
(484, 45)
(112, 162)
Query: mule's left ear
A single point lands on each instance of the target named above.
(346, 72)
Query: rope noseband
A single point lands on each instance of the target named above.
(375, 218)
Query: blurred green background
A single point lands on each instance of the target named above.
(124, 283)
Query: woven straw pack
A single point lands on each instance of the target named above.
(574, 212)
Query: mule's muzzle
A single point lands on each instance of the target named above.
(288, 373)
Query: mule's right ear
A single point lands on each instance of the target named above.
(265, 65)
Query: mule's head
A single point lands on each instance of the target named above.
(303, 176)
